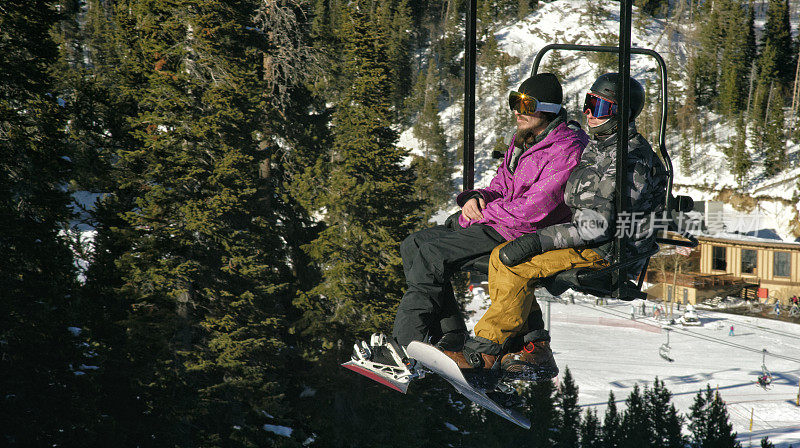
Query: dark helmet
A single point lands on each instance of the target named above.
(606, 87)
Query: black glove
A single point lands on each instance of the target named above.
(452, 221)
(520, 249)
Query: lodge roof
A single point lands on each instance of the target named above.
(744, 240)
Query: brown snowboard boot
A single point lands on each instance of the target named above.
(469, 361)
(476, 366)
(535, 362)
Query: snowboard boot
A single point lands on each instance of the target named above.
(452, 341)
(478, 368)
(535, 362)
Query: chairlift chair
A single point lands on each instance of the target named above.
(601, 282)
(765, 379)
(664, 350)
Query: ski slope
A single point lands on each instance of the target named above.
(605, 350)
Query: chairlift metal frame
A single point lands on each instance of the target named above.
(623, 289)
(765, 373)
(665, 349)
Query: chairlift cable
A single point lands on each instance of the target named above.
(690, 333)
(768, 330)
(733, 344)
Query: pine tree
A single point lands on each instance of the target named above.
(703, 64)
(735, 57)
(765, 443)
(542, 413)
(774, 134)
(450, 50)
(605, 62)
(555, 63)
(775, 70)
(358, 250)
(568, 415)
(685, 153)
(611, 430)
(776, 61)
(634, 425)
(43, 382)
(102, 100)
(395, 18)
(664, 422)
(739, 162)
(523, 9)
(433, 184)
(652, 7)
(590, 432)
(201, 286)
(709, 423)
(751, 48)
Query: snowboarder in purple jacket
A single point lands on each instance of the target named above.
(526, 194)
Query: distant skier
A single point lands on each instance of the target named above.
(730, 333)
(512, 328)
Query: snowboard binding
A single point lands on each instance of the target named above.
(384, 360)
(505, 394)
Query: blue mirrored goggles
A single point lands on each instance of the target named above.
(598, 106)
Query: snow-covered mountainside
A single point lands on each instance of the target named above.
(568, 21)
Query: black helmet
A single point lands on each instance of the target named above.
(606, 87)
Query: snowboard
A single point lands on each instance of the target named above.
(390, 376)
(433, 359)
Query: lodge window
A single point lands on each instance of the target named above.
(781, 264)
(718, 261)
(749, 261)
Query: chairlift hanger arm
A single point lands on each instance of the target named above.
(624, 50)
(662, 147)
(470, 45)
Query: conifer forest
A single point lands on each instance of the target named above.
(248, 198)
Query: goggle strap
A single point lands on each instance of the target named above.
(548, 107)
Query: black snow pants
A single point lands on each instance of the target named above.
(430, 257)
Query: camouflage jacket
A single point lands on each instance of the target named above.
(591, 194)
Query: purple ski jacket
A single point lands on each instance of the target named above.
(532, 197)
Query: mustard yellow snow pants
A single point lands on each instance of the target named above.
(511, 289)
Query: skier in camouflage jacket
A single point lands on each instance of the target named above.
(512, 327)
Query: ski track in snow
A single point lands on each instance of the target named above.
(607, 351)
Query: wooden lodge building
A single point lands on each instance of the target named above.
(751, 268)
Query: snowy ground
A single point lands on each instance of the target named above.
(607, 351)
